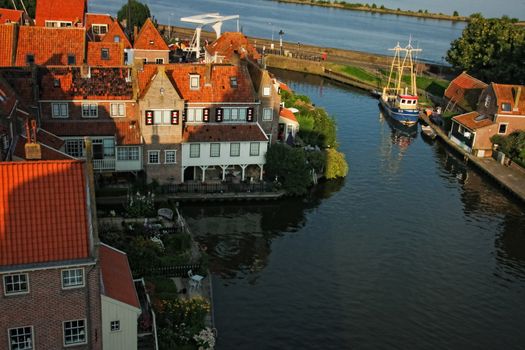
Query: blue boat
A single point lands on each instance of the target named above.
(401, 102)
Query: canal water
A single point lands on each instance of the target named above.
(413, 250)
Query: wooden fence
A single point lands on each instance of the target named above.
(167, 271)
(218, 187)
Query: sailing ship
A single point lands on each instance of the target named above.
(401, 103)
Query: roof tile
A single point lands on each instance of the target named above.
(7, 38)
(465, 90)
(506, 93)
(149, 38)
(223, 133)
(10, 16)
(469, 120)
(230, 43)
(60, 10)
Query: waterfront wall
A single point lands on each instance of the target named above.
(294, 64)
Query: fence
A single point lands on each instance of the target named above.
(218, 187)
(167, 271)
(303, 55)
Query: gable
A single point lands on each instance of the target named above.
(149, 38)
(59, 10)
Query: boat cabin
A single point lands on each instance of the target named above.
(407, 101)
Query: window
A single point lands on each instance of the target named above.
(104, 54)
(118, 110)
(30, 59)
(234, 114)
(75, 332)
(233, 82)
(21, 338)
(116, 39)
(254, 148)
(58, 24)
(72, 278)
(170, 156)
(194, 115)
(75, 147)
(235, 149)
(153, 157)
(215, 149)
(56, 83)
(162, 117)
(115, 326)
(71, 59)
(159, 60)
(99, 28)
(266, 91)
(59, 110)
(195, 150)
(89, 110)
(267, 114)
(506, 107)
(16, 284)
(128, 153)
(194, 82)
(487, 101)
(502, 128)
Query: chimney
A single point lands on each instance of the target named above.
(516, 97)
(92, 205)
(209, 67)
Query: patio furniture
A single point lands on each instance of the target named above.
(195, 280)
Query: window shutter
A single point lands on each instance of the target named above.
(206, 115)
(149, 117)
(174, 117)
(184, 115)
(219, 114)
(249, 115)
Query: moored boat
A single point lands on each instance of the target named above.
(401, 102)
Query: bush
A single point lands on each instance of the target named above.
(290, 167)
(336, 165)
(317, 160)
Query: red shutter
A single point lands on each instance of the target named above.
(206, 115)
(174, 117)
(219, 114)
(249, 115)
(149, 117)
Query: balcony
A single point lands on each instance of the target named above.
(103, 165)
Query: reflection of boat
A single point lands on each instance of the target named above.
(402, 135)
(401, 103)
(428, 132)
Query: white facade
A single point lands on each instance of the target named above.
(125, 337)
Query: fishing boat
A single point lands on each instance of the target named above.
(401, 103)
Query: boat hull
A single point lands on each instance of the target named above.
(403, 116)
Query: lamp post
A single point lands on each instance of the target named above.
(271, 45)
(169, 25)
(281, 33)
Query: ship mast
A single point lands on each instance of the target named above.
(397, 69)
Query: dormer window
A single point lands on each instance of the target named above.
(194, 81)
(506, 107)
(99, 29)
(116, 39)
(71, 60)
(56, 83)
(233, 82)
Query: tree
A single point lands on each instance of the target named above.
(455, 14)
(493, 50)
(336, 165)
(290, 167)
(138, 12)
(30, 6)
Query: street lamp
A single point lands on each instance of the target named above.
(271, 45)
(281, 33)
(169, 25)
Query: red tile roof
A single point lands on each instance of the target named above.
(97, 18)
(507, 94)
(116, 30)
(50, 46)
(469, 121)
(48, 153)
(288, 114)
(21, 81)
(7, 38)
(115, 54)
(465, 90)
(117, 282)
(223, 133)
(149, 38)
(126, 133)
(104, 83)
(217, 88)
(230, 43)
(9, 16)
(43, 212)
(60, 10)
(284, 87)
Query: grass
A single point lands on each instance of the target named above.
(360, 74)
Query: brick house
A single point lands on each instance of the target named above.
(14, 16)
(500, 111)
(463, 92)
(228, 46)
(60, 14)
(107, 43)
(50, 289)
(149, 46)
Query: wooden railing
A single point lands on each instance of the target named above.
(171, 271)
(219, 187)
(107, 164)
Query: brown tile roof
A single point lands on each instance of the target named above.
(465, 90)
(223, 133)
(288, 114)
(469, 121)
(7, 38)
(48, 153)
(50, 46)
(9, 16)
(230, 43)
(117, 282)
(507, 94)
(43, 212)
(104, 83)
(149, 38)
(126, 133)
(60, 10)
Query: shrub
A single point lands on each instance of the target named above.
(290, 167)
(336, 165)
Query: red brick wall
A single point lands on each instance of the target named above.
(116, 54)
(104, 111)
(152, 55)
(48, 305)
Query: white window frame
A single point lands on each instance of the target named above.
(252, 153)
(193, 147)
(234, 114)
(118, 110)
(59, 110)
(91, 108)
(267, 91)
(128, 154)
(58, 24)
(78, 143)
(150, 153)
(114, 326)
(195, 82)
(215, 153)
(79, 328)
(265, 112)
(99, 26)
(169, 151)
(194, 115)
(161, 116)
(25, 346)
(73, 278)
(238, 153)
(506, 128)
(16, 292)
(159, 60)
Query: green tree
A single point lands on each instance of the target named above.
(290, 166)
(138, 12)
(336, 165)
(492, 49)
(30, 6)
(455, 14)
